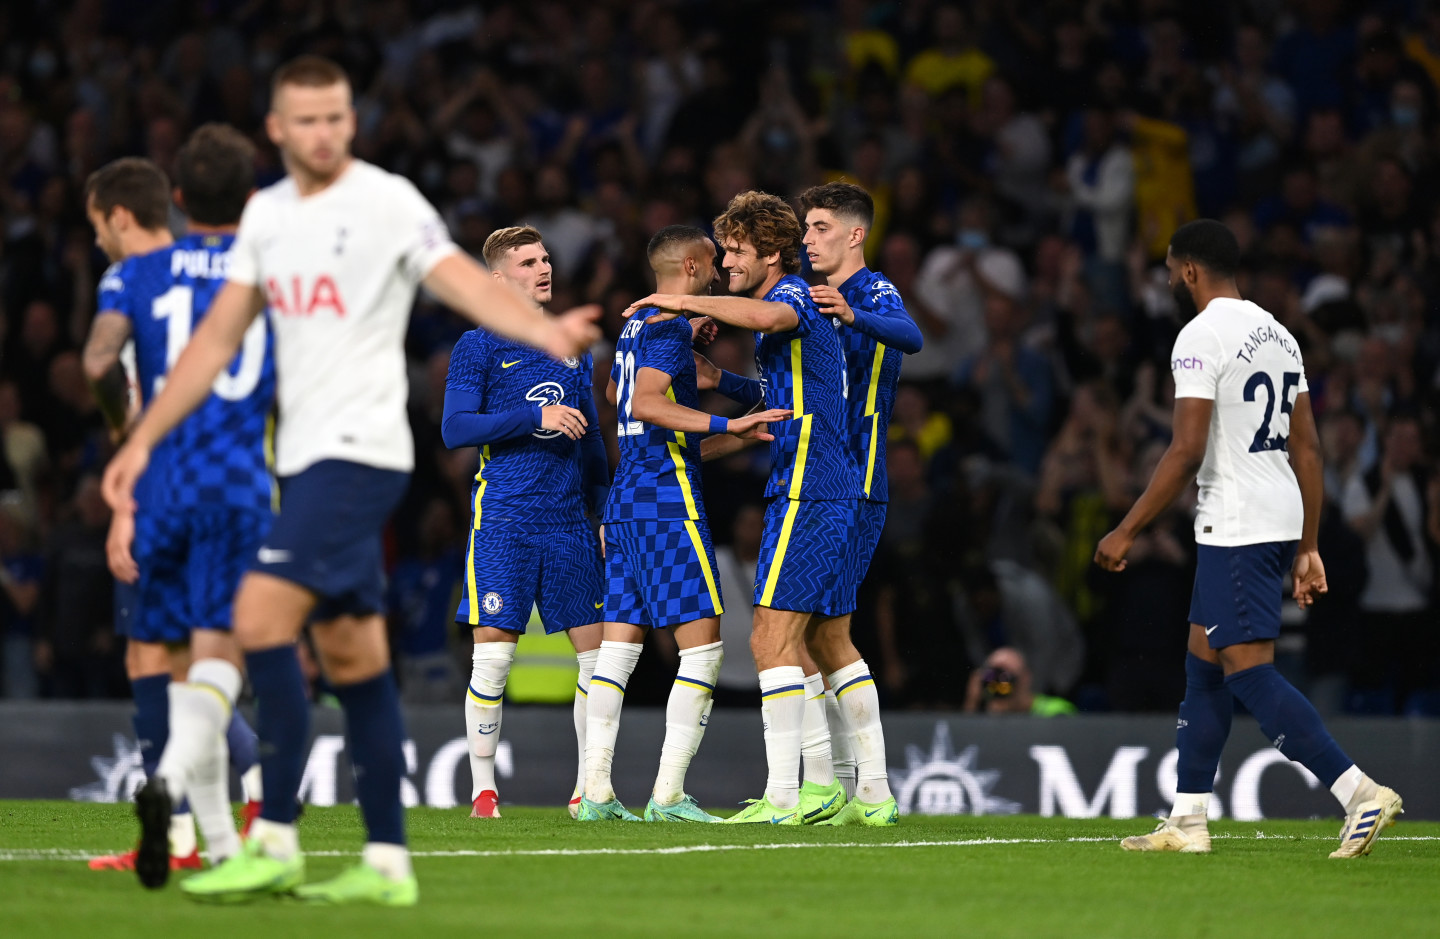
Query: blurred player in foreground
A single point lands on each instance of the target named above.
(1242, 422)
(542, 463)
(338, 249)
(659, 561)
(205, 501)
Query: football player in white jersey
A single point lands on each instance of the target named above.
(337, 249)
(1243, 423)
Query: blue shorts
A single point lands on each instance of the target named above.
(867, 539)
(1239, 591)
(660, 573)
(808, 556)
(511, 570)
(327, 535)
(190, 564)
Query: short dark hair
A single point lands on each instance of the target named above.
(308, 71)
(672, 236)
(215, 171)
(136, 184)
(1208, 243)
(502, 241)
(767, 222)
(845, 200)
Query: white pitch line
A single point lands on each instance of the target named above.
(75, 854)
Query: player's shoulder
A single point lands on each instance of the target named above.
(382, 188)
(793, 290)
(117, 277)
(473, 348)
(667, 330)
(881, 292)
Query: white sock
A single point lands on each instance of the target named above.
(815, 735)
(586, 661)
(279, 840)
(392, 860)
(686, 714)
(841, 757)
(1191, 803)
(199, 710)
(782, 705)
(860, 709)
(484, 699)
(607, 693)
(182, 834)
(251, 787)
(210, 798)
(1353, 787)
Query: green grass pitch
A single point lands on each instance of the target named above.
(537, 873)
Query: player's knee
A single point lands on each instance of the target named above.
(352, 649)
(143, 659)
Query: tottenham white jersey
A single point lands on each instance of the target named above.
(339, 270)
(1236, 354)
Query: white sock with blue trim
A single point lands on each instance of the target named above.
(815, 738)
(484, 698)
(860, 708)
(586, 663)
(840, 756)
(782, 705)
(686, 714)
(602, 725)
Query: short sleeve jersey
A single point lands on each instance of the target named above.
(803, 370)
(1236, 355)
(535, 480)
(874, 374)
(339, 269)
(659, 472)
(216, 456)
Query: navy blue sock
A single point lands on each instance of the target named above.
(1204, 725)
(244, 745)
(283, 724)
(1290, 721)
(375, 736)
(151, 719)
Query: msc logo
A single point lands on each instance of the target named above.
(1189, 363)
(943, 782)
(545, 394)
(491, 603)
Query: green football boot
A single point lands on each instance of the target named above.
(874, 814)
(245, 876)
(818, 803)
(361, 884)
(761, 812)
(611, 811)
(686, 810)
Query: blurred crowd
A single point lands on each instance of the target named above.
(1028, 162)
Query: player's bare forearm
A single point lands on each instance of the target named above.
(1309, 468)
(101, 360)
(765, 316)
(210, 349)
(468, 289)
(1173, 473)
(722, 445)
(662, 412)
(112, 395)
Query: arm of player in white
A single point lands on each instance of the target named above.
(109, 332)
(761, 316)
(210, 349)
(1308, 464)
(649, 404)
(468, 289)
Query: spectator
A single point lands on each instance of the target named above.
(1101, 182)
(422, 597)
(954, 60)
(1004, 686)
(75, 649)
(21, 575)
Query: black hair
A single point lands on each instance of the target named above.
(673, 235)
(1208, 243)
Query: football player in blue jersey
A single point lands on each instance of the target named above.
(815, 486)
(876, 332)
(659, 562)
(206, 498)
(542, 464)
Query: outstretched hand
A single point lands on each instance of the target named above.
(703, 330)
(670, 306)
(575, 332)
(753, 426)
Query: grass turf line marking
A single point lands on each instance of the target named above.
(75, 854)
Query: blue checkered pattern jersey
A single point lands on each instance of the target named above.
(803, 370)
(659, 472)
(533, 478)
(217, 456)
(873, 370)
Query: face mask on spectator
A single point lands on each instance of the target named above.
(974, 239)
(1404, 115)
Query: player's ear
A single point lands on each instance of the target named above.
(857, 236)
(179, 198)
(272, 127)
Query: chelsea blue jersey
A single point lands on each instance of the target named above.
(659, 472)
(217, 455)
(803, 370)
(874, 373)
(533, 480)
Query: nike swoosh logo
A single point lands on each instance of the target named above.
(873, 813)
(508, 364)
(599, 605)
(823, 807)
(777, 819)
(1212, 629)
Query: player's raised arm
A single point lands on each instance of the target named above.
(1307, 462)
(1175, 471)
(464, 286)
(761, 316)
(210, 349)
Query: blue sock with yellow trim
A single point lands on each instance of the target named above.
(602, 714)
(686, 714)
(860, 710)
(782, 705)
(484, 699)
